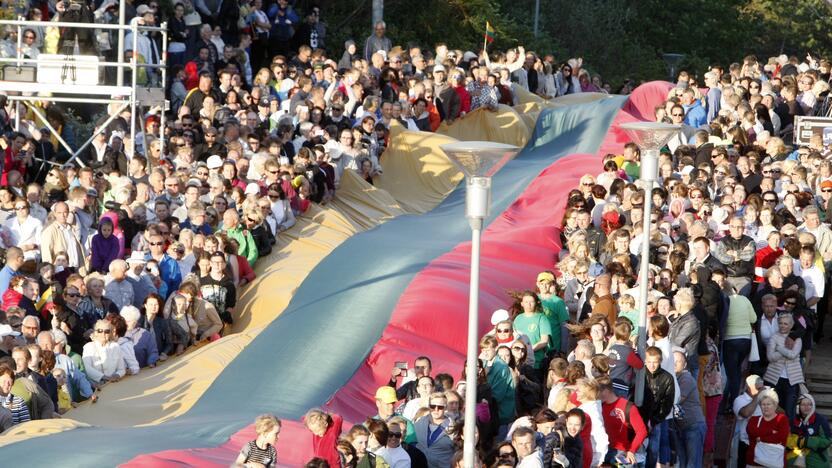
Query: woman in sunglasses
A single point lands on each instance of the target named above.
(103, 359)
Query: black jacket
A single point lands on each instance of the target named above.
(744, 247)
(659, 393)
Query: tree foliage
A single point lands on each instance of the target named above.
(618, 39)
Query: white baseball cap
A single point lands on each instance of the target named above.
(499, 315)
(214, 162)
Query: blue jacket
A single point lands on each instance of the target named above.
(695, 115)
(283, 27)
(170, 274)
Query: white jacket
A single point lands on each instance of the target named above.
(600, 439)
(100, 361)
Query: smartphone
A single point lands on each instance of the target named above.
(401, 365)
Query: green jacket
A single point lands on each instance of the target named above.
(248, 248)
(555, 310)
(502, 388)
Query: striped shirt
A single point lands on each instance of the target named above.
(15, 404)
(254, 454)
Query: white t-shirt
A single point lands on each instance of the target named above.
(740, 402)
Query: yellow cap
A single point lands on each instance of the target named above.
(546, 276)
(386, 395)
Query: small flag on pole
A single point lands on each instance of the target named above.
(489, 32)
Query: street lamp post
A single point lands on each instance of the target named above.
(650, 137)
(478, 160)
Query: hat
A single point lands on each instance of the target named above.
(438, 68)
(214, 162)
(6, 330)
(545, 276)
(682, 84)
(178, 247)
(386, 395)
(499, 315)
(686, 170)
(136, 256)
(768, 93)
(194, 183)
(826, 184)
(92, 193)
(468, 56)
(719, 215)
(264, 102)
(252, 189)
(201, 164)
(142, 9)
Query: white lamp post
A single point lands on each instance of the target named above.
(478, 160)
(650, 138)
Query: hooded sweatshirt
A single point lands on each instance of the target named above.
(813, 436)
(103, 250)
(347, 59)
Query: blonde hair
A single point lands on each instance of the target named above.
(317, 418)
(588, 387)
(266, 423)
(683, 300)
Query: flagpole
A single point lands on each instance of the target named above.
(485, 39)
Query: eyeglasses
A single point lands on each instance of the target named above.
(157, 244)
(397, 435)
(770, 200)
(707, 213)
(73, 295)
(28, 36)
(21, 208)
(677, 115)
(776, 170)
(791, 303)
(103, 330)
(587, 184)
(504, 330)
(826, 190)
(436, 407)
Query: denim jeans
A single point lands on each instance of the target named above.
(658, 447)
(689, 443)
(734, 353)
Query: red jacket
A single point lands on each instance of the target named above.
(325, 446)
(615, 422)
(775, 431)
(464, 99)
(11, 163)
(586, 438)
(11, 298)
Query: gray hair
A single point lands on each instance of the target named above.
(130, 314)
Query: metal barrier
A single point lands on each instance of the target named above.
(32, 91)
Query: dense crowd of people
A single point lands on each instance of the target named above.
(136, 250)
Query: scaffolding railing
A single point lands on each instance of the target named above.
(126, 96)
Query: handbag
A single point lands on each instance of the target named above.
(767, 454)
(754, 355)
